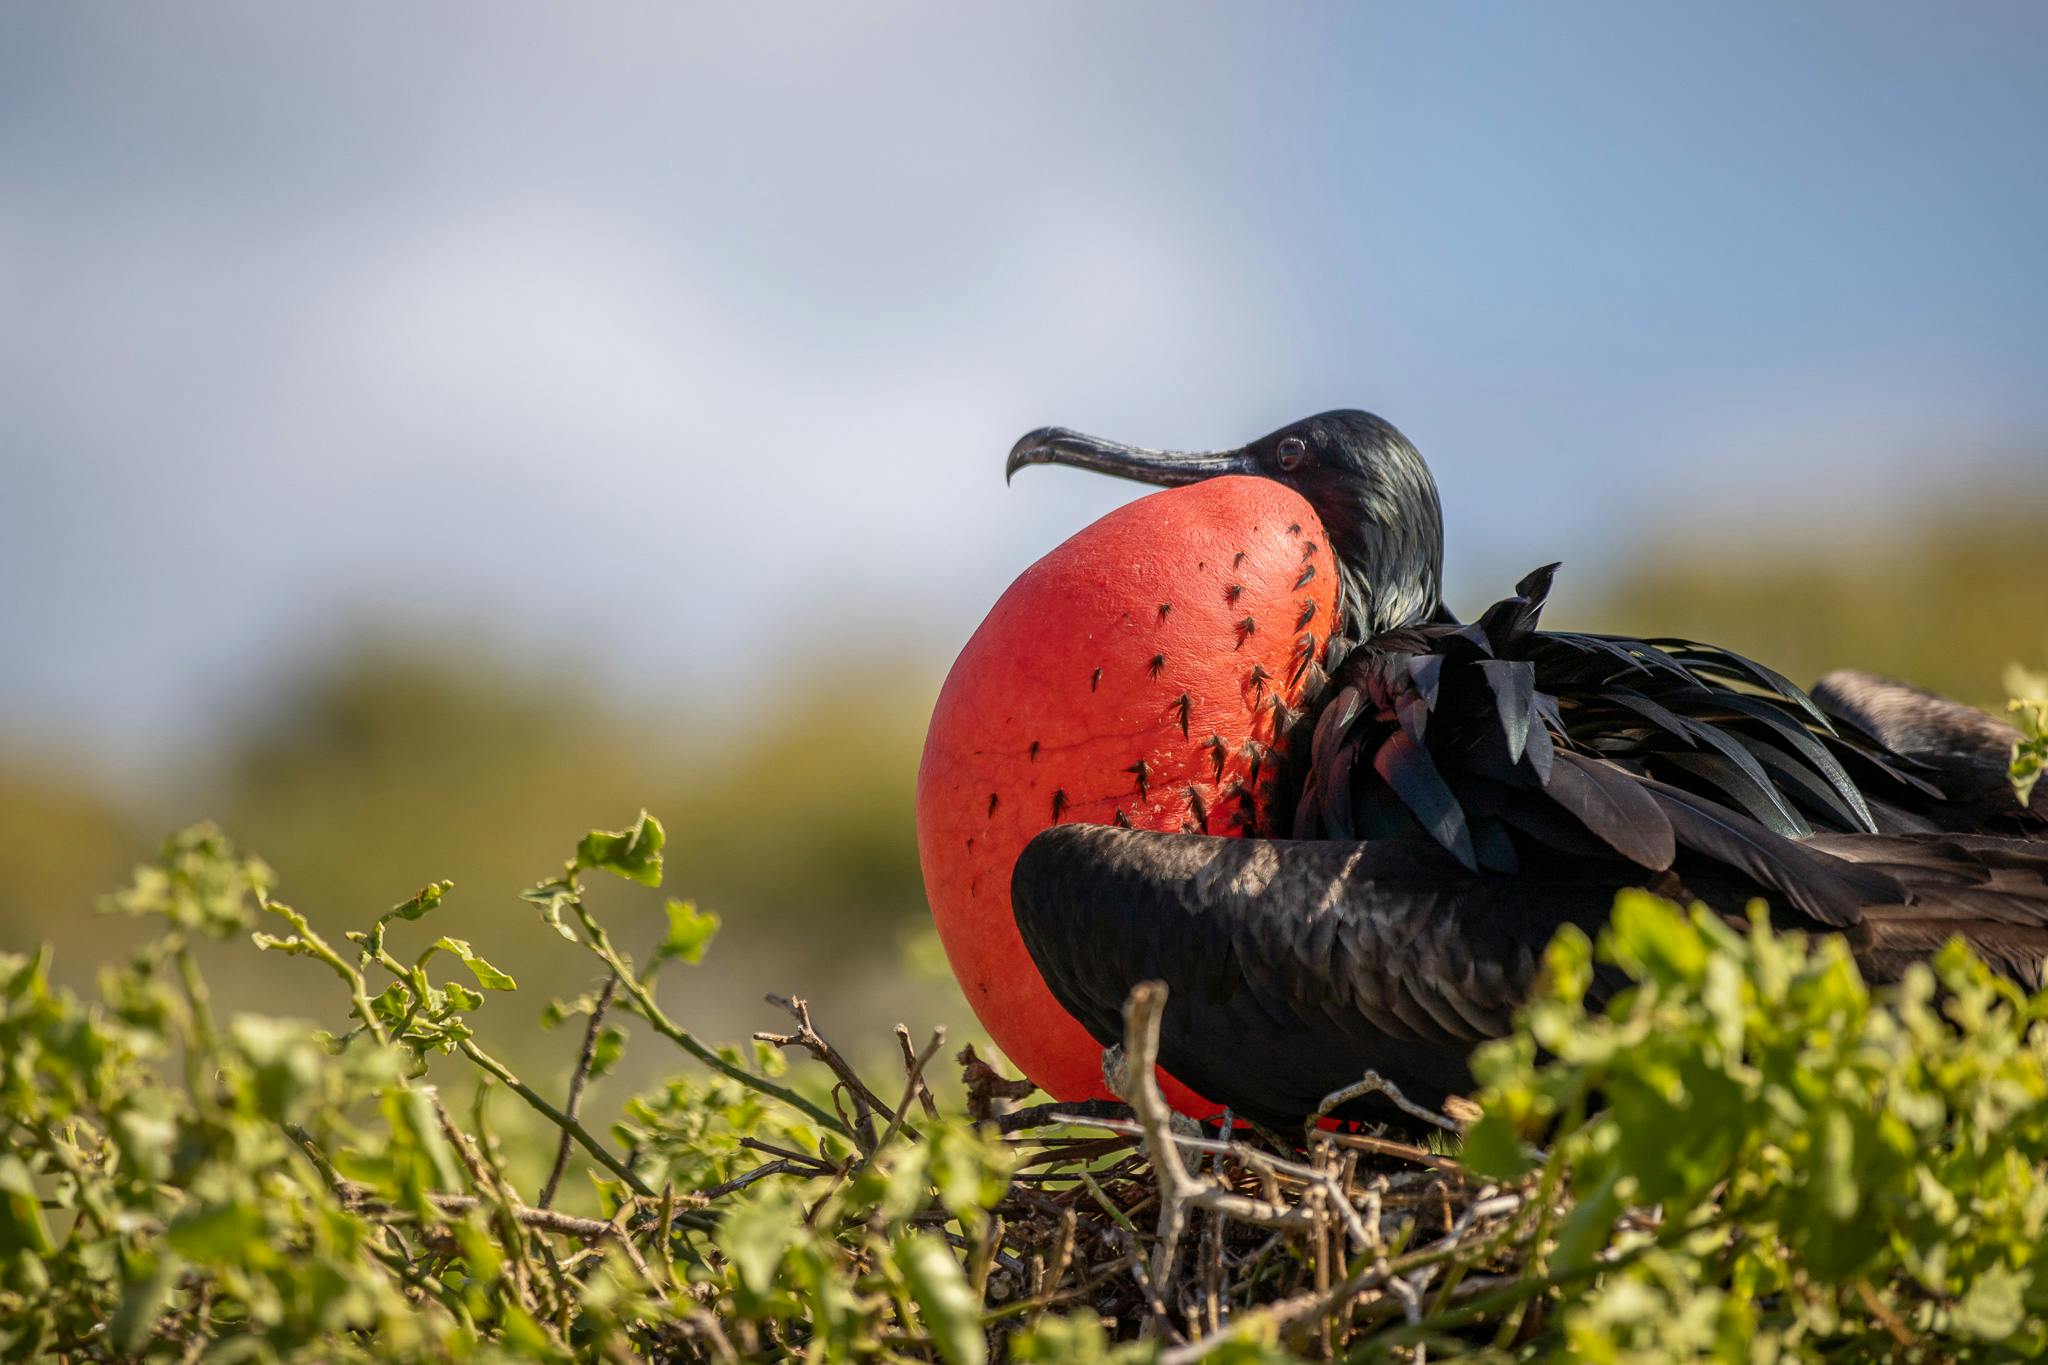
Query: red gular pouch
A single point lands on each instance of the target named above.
(1144, 673)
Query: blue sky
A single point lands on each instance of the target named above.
(681, 336)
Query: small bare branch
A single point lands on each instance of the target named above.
(1372, 1083)
(577, 1080)
(924, 1092)
(910, 1085)
(986, 1085)
(865, 1102)
(1052, 1112)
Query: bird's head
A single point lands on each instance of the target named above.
(1368, 484)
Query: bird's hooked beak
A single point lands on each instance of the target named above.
(1168, 468)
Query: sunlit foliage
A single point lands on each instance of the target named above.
(1748, 1154)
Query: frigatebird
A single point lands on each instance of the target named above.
(1472, 787)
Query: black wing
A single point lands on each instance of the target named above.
(1291, 966)
(1295, 966)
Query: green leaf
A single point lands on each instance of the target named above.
(633, 853)
(460, 999)
(146, 1289)
(147, 1136)
(1994, 1305)
(392, 1004)
(1652, 940)
(610, 1046)
(487, 976)
(755, 1235)
(1834, 1165)
(217, 1234)
(21, 1211)
(416, 1129)
(1493, 1148)
(690, 932)
(970, 1170)
(27, 978)
(1587, 1227)
(284, 1060)
(952, 1313)
(1078, 1339)
(554, 899)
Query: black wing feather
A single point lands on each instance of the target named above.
(1514, 690)
(1408, 769)
(1613, 805)
(1831, 892)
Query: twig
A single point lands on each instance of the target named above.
(362, 1199)
(1260, 1212)
(1372, 1083)
(539, 1102)
(984, 1256)
(1067, 1153)
(704, 1324)
(1152, 1297)
(779, 1166)
(584, 1061)
(865, 1102)
(1382, 1271)
(499, 1196)
(910, 1085)
(1179, 1190)
(1102, 1275)
(1053, 1111)
(1885, 1317)
(818, 1164)
(924, 1092)
(1107, 1205)
(318, 947)
(1406, 1151)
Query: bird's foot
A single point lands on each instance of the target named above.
(1372, 1083)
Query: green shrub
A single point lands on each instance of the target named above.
(1748, 1155)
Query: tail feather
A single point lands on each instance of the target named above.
(1991, 892)
(1960, 749)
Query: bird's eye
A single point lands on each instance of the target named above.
(1291, 452)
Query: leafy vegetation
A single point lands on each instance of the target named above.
(1747, 1155)
(2029, 707)
(1833, 1174)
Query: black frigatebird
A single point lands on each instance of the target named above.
(1470, 788)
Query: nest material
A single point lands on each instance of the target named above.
(1166, 1231)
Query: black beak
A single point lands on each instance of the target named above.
(1169, 468)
